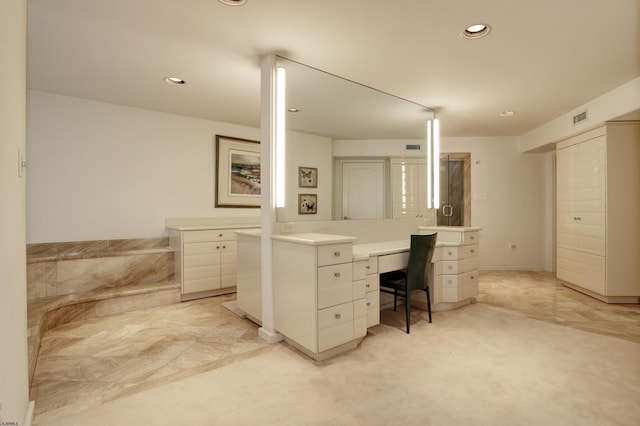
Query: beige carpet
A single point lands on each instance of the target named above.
(479, 365)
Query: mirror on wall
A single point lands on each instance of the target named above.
(325, 111)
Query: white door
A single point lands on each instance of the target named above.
(363, 190)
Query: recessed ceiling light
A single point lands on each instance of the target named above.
(476, 31)
(233, 2)
(506, 113)
(294, 110)
(174, 80)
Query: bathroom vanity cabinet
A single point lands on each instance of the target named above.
(597, 210)
(205, 259)
(318, 306)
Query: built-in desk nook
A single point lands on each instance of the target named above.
(326, 286)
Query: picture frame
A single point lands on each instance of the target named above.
(307, 203)
(307, 177)
(237, 172)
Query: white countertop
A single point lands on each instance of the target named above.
(204, 223)
(253, 232)
(450, 228)
(314, 239)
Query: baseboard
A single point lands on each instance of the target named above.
(31, 409)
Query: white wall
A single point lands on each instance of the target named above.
(617, 102)
(519, 203)
(104, 171)
(14, 390)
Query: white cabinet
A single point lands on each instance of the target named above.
(366, 286)
(318, 305)
(408, 188)
(205, 261)
(456, 264)
(597, 210)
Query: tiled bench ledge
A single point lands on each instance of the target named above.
(74, 281)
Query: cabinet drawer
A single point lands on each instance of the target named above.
(335, 285)
(393, 262)
(335, 326)
(373, 308)
(359, 270)
(460, 280)
(372, 265)
(334, 253)
(372, 282)
(472, 237)
(359, 289)
(209, 235)
(460, 252)
(459, 266)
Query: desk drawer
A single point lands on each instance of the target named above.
(335, 285)
(373, 308)
(208, 235)
(372, 265)
(460, 252)
(393, 262)
(372, 282)
(459, 266)
(472, 237)
(335, 326)
(334, 253)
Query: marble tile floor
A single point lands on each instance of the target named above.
(91, 364)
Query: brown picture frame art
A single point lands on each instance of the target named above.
(237, 172)
(307, 203)
(307, 177)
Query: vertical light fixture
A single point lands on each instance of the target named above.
(433, 164)
(281, 81)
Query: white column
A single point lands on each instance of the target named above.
(268, 199)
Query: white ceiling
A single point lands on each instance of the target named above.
(542, 59)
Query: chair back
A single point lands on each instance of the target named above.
(420, 255)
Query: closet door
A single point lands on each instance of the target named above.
(580, 213)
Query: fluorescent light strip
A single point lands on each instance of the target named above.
(436, 163)
(281, 81)
(429, 166)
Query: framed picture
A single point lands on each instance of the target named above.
(307, 203)
(238, 172)
(307, 177)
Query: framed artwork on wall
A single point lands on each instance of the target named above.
(307, 177)
(237, 172)
(307, 203)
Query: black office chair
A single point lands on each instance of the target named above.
(402, 283)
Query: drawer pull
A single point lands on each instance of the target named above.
(368, 303)
(449, 281)
(224, 247)
(473, 238)
(473, 251)
(336, 253)
(577, 218)
(472, 276)
(450, 267)
(368, 267)
(217, 247)
(336, 274)
(368, 285)
(338, 316)
(450, 253)
(220, 235)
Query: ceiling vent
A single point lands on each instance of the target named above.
(412, 147)
(578, 118)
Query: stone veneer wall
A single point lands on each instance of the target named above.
(57, 269)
